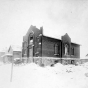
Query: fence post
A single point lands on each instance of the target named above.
(12, 69)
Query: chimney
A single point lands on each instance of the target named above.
(41, 29)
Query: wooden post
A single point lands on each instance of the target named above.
(12, 69)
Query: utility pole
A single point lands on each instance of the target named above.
(12, 69)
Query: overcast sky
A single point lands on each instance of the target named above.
(56, 16)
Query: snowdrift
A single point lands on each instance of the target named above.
(33, 76)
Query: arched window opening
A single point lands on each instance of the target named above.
(56, 49)
(31, 39)
(72, 51)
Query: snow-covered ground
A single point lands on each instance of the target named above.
(34, 76)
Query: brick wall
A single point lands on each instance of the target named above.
(76, 51)
(48, 45)
(26, 39)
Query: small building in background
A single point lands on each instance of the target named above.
(36, 44)
(16, 51)
(7, 58)
(1, 54)
(13, 52)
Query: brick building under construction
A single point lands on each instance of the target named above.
(36, 44)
